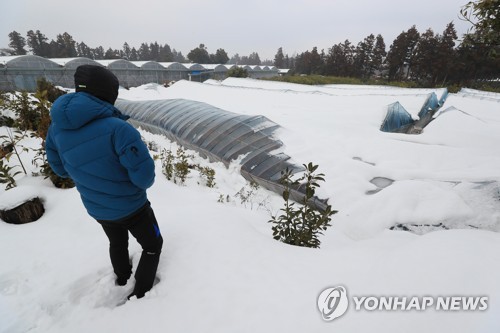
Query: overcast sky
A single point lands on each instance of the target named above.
(241, 27)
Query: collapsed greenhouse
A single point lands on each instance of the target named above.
(22, 72)
(220, 135)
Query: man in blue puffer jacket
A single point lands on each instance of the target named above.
(90, 141)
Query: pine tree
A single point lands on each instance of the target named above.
(133, 55)
(279, 59)
(38, 43)
(363, 57)
(446, 53)
(426, 57)
(154, 51)
(17, 42)
(220, 57)
(143, 53)
(199, 55)
(126, 51)
(340, 59)
(65, 46)
(178, 56)
(254, 59)
(98, 53)
(166, 54)
(83, 50)
(379, 54)
(400, 56)
(235, 59)
(112, 54)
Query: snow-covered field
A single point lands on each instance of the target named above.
(221, 271)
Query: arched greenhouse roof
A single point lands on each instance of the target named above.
(253, 68)
(117, 64)
(148, 64)
(194, 67)
(216, 67)
(173, 66)
(73, 63)
(4, 60)
(28, 61)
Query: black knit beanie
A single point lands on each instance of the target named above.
(97, 81)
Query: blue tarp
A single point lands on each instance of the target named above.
(396, 118)
(431, 104)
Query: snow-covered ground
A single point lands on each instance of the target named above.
(221, 271)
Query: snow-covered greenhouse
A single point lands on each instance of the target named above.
(22, 72)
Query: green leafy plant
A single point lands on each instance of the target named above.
(237, 72)
(4, 120)
(12, 140)
(23, 107)
(7, 175)
(181, 167)
(301, 225)
(167, 161)
(176, 167)
(208, 174)
(51, 91)
(40, 160)
(44, 96)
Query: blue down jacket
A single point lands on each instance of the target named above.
(89, 141)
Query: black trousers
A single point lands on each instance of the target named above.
(143, 226)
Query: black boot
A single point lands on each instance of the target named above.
(145, 275)
(122, 280)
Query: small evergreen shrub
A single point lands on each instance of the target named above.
(27, 116)
(177, 167)
(7, 175)
(11, 141)
(51, 91)
(301, 225)
(181, 167)
(237, 72)
(167, 162)
(208, 174)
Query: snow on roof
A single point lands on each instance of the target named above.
(63, 61)
(6, 59)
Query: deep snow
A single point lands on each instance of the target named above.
(221, 271)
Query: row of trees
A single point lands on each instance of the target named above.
(64, 46)
(427, 58)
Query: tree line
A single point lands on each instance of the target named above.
(64, 46)
(426, 58)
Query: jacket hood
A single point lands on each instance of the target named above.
(74, 110)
